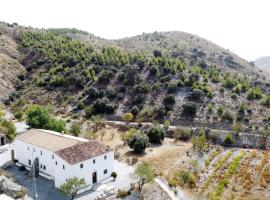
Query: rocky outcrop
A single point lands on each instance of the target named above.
(154, 192)
(14, 190)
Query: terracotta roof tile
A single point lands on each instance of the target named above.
(82, 151)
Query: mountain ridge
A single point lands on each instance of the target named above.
(172, 76)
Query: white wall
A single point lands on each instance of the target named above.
(61, 175)
(57, 172)
(24, 152)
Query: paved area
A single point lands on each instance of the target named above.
(46, 190)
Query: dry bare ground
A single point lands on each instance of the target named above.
(164, 157)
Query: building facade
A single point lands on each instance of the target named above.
(58, 156)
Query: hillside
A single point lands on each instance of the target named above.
(172, 76)
(263, 62)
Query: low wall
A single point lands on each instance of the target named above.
(243, 140)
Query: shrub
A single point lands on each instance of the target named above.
(228, 139)
(80, 105)
(227, 115)
(182, 134)
(172, 182)
(210, 108)
(138, 142)
(187, 177)
(102, 106)
(18, 115)
(172, 87)
(114, 175)
(210, 94)
(229, 82)
(156, 133)
(238, 127)
(189, 109)
(75, 129)
(196, 94)
(105, 76)
(154, 71)
(122, 193)
(221, 90)
(234, 96)
(169, 101)
(127, 117)
(220, 111)
(142, 88)
(266, 101)
(135, 110)
(254, 93)
(199, 142)
(88, 111)
(242, 108)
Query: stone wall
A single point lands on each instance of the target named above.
(243, 140)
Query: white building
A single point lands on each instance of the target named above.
(58, 156)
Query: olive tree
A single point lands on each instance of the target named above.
(72, 186)
(145, 173)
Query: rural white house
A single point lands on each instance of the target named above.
(59, 156)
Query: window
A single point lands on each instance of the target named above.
(44, 167)
(81, 165)
(40, 152)
(29, 162)
(63, 166)
(94, 161)
(34, 150)
(52, 156)
(105, 157)
(41, 166)
(55, 162)
(105, 171)
(28, 148)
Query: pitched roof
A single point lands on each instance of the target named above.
(49, 140)
(83, 151)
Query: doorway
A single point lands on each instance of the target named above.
(94, 177)
(2, 141)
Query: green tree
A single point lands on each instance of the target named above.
(156, 133)
(145, 173)
(72, 186)
(138, 142)
(37, 116)
(199, 142)
(55, 125)
(128, 134)
(75, 129)
(8, 127)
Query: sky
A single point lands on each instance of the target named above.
(242, 26)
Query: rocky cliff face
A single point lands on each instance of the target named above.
(10, 68)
